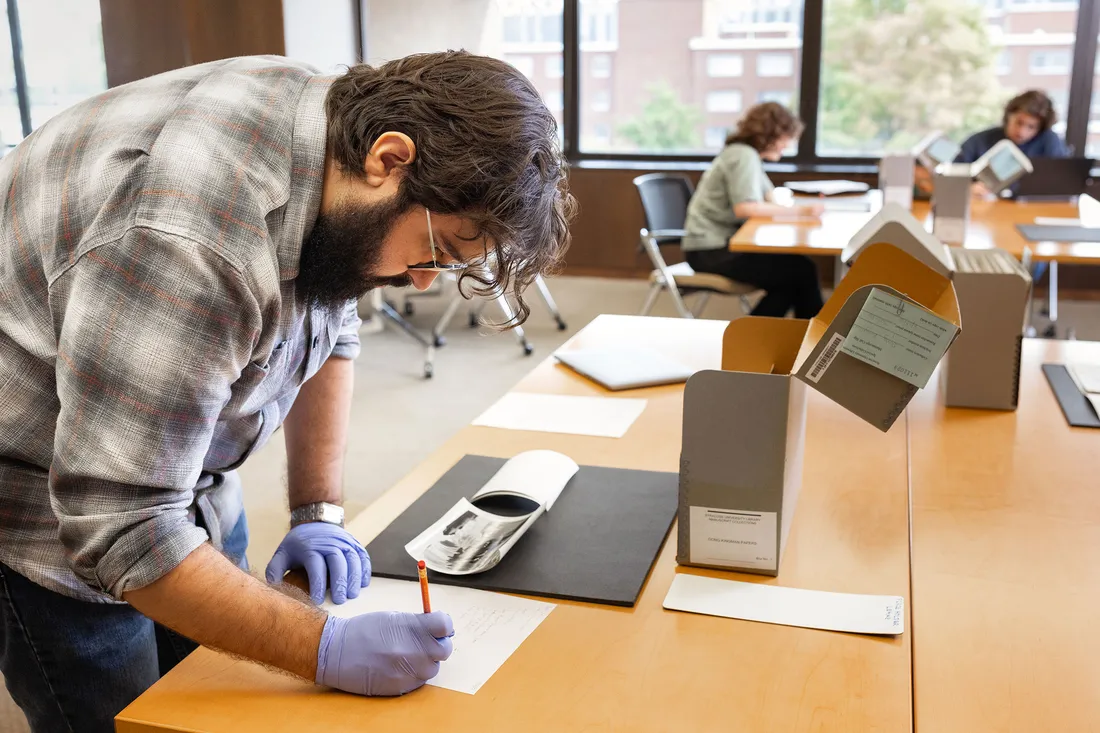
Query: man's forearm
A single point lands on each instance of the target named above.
(208, 599)
(317, 434)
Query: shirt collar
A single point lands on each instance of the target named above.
(307, 171)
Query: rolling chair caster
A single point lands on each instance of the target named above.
(409, 308)
(428, 371)
(561, 324)
(474, 321)
(528, 349)
(438, 341)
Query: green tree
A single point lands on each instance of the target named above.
(665, 123)
(894, 70)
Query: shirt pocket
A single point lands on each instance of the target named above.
(261, 383)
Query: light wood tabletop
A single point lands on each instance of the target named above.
(992, 224)
(1006, 577)
(591, 667)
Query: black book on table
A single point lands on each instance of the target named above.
(597, 543)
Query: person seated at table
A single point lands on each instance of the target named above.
(734, 188)
(1028, 119)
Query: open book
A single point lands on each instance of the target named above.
(1087, 379)
(477, 532)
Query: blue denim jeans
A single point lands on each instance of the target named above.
(72, 665)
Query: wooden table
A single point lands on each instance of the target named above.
(591, 667)
(1006, 560)
(992, 224)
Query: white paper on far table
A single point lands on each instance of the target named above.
(604, 417)
(773, 604)
(489, 627)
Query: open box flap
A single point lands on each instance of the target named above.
(896, 226)
(762, 345)
(864, 389)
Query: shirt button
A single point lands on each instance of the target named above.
(316, 340)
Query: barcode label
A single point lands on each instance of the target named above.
(826, 358)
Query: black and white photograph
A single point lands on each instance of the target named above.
(469, 540)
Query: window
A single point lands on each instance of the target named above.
(553, 67)
(673, 63)
(599, 21)
(783, 97)
(872, 99)
(525, 33)
(1049, 63)
(774, 64)
(715, 138)
(63, 59)
(601, 134)
(601, 100)
(725, 65)
(728, 100)
(525, 64)
(522, 21)
(600, 66)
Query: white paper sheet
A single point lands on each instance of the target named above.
(489, 627)
(1057, 221)
(773, 604)
(1086, 376)
(597, 416)
(537, 474)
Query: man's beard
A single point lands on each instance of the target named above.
(342, 251)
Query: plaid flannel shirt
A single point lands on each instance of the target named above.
(150, 337)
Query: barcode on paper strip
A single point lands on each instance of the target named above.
(826, 358)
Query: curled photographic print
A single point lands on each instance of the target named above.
(466, 540)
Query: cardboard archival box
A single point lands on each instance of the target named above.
(744, 425)
(895, 225)
(994, 291)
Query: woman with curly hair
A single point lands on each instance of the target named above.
(734, 188)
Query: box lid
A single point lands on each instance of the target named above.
(814, 351)
(895, 225)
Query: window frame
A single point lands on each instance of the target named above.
(1083, 61)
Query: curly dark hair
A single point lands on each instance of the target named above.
(486, 148)
(763, 124)
(1034, 103)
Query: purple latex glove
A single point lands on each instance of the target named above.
(326, 552)
(385, 653)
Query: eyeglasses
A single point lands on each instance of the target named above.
(436, 266)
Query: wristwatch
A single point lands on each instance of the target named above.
(320, 511)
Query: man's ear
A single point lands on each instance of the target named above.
(390, 152)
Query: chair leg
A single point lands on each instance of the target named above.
(389, 312)
(678, 301)
(445, 321)
(509, 314)
(700, 304)
(550, 304)
(651, 298)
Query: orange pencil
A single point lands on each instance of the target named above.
(422, 571)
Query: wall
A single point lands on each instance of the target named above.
(321, 33)
(396, 29)
(143, 38)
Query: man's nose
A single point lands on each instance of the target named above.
(422, 280)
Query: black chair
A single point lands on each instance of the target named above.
(665, 198)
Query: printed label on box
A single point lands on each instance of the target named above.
(727, 537)
(825, 358)
(899, 337)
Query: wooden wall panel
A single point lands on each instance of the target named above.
(146, 37)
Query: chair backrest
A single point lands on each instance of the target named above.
(665, 198)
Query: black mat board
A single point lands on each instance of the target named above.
(596, 544)
(1046, 233)
(1075, 406)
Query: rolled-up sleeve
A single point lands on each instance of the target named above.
(347, 342)
(156, 330)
